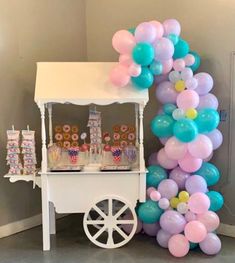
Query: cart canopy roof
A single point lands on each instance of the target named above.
(82, 83)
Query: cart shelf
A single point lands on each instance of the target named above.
(27, 178)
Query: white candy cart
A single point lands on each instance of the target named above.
(103, 197)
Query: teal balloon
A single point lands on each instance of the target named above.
(132, 30)
(144, 80)
(173, 38)
(197, 62)
(149, 212)
(143, 53)
(207, 120)
(155, 175)
(156, 68)
(209, 172)
(162, 125)
(181, 49)
(216, 199)
(185, 130)
(192, 245)
(168, 108)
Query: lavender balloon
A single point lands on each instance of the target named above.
(166, 93)
(196, 183)
(168, 188)
(216, 138)
(208, 101)
(172, 222)
(211, 245)
(163, 238)
(179, 176)
(205, 83)
(151, 229)
(145, 32)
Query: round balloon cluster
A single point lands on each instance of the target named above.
(180, 210)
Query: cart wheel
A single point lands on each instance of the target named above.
(110, 233)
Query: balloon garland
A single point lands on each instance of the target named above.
(180, 209)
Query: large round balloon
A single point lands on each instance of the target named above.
(151, 229)
(201, 147)
(199, 203)
(196, 183)
(208, 101)
(197, 61)
(164, 49)
(181, 49)
(209, 172)
(216, 200)
(175, 149)
(216, 138)
(144, 80)
(155, 175)
(211, 245)
(187, 99)
(172, 222)
(171, 26)
(210, 220)
(145, 32)
(207, 120)
(162, 126)
(165, 161)
(168, 188)
(179, 176)
(123, 41)
(205, 83)
(178, 245)
(143, 54)
(163, 238)
(149, 212)
(190, 164)
(185, 130)
(195, 231)
(166, 93)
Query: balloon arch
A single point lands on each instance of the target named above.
(180, 209)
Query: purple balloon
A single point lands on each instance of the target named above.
(151, 229)
(163, 238)
(152, 160)
(164, 49)
(216, 138)
(166, 93)
(168, 188)
(196, 183)
(211, 245)
(205, 83)
(145, 32)
(208, 101)
(172, 222)
(163, 140)
(161, 78)
(179, 176)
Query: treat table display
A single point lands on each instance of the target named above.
(107, 195)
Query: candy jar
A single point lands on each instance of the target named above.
(73, 153)
(117, 154)
(54, 155)
(130, 152)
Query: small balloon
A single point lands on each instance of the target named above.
(210, 220)
(171, 26)
(151, 229)
(179, 64)
(144, 80)
(173, 38)
(197, 61)
(178, 114)
(186, 73)
(155, 175)
(187, 99)
(143, 54)
(185, 130)
(190, 164)
(216, 138)
(189, 60)
(172, 222)
(145, 32)
(210, 173)
(166, 93)
(123, 41)
(134, 70)
(149, 212)
(216, 200)
(156, 68)
(211, 245)
(207, 120)
(181, 49)
(119, 76)
(175, 149)
(158, 27)
(178, 245)
(179, 176)
(191, 84)
(201, 147)
(205, 83)
(168, 188)
(195, 231)
(208, 101)
(163, 238)
(196, 183)
(164, 49)
(199, 203)
(174, 76)
(164, 203)
(162, 126)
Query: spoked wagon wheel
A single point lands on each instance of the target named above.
(110, 233)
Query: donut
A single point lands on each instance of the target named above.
(116, 136)
(74, 137)
(74, 144)
(66, 136)
(58, 128)
(123, 144)
(59, 144)
(124, 136)
(124, 128)
(66, 128)
(58, 137)
(116, 128)
(131, 136)
(74, 129)
(66, 144)
(131, 128)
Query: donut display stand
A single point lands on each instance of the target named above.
(105, 198)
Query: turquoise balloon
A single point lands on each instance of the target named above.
(132, 30)
(197, 62)
(143, 53)
(185, 130)
(207, 120)
(173, 38)
(192, 245)
(216, 199)
(155, 175)
(144, 80)
(168, 108)
(210, 173)
(156, 68)
(162, 125)
(149, 212)
(181, 49)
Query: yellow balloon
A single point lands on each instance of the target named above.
(174, 202)
(183, 196)
(191, 113)
(180, 85)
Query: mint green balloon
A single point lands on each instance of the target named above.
(144, 80)
(155, 175)
(162, 125)
(173, 38)
(197, 62)
(132, 30)
(168, 108)
(181, 49)
(149, 212)
(207, 120)
(216, 199)
(193, 245)
(185, 130)
(156, 68)
(143, 53)
(209, 172)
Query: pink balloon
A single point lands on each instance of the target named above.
(123, 41)
(216, 138)
(119, 76)
(164, 49)
(190, 216)
(190, 164)
(159, 28)
(125, 60)
(211, 245)
(145, 32)
(167, 66)
(171, 26)
(128, 228)
(152, 160)
(199, 203)
(208, 101)
(179, 176)
(168, 188)
(195, 231)
(150, 190)
(175, 149)
(208, 158)
(205, 83)
(164, 160)
(163, 140)
(189, 60)
(179, 64)
(187, 99)
(155, 195)
(201, 147)
(178, 245)
(166, 93)
(134, 70)
(191, 83)
(210, 220)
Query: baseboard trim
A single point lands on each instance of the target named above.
(226, 230)
(22, 225)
